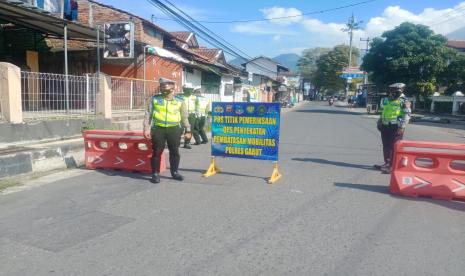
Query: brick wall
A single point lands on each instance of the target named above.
(156, 67)
(104, 14)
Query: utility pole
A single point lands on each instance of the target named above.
(367, 40)
(351, 34)
(351, 26)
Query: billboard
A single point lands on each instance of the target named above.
(118, 40)
(246, 130)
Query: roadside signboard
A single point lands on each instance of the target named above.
(118, 40)
(246, 130)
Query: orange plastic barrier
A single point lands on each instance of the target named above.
(429, 169)
(123, 150)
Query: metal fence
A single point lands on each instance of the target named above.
(131, 94)
(45, 95)
(212, 97)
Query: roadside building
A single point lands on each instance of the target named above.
(263, 74)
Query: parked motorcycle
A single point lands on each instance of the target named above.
(331, 101)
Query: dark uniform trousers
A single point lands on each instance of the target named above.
(160, 137)
(389, 136)
(194, 122)
(201, 128)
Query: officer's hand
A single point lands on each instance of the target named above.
(188, 135)
(400, 131)
(147, 134)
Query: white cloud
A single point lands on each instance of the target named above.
(277, 38)
(319, 33)
(442, 21)
(294, 15)
(260, 28)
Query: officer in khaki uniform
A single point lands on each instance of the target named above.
(192, 106)
(394, 118)
(164, 116)
(202, 113)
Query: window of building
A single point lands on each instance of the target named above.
(228, 89)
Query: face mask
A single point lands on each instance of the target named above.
(165, 90)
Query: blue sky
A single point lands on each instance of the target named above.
(294, 35)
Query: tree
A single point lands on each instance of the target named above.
(411, 54)
(453, 76)
(307, 63)
(329, 65)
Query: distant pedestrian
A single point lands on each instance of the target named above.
(394, 118)
(162, 124)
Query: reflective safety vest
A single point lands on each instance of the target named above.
(191, 103)
(166, 113)
(392, 110)
(204, 105)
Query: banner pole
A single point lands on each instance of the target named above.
(275, 176)
(212, 169)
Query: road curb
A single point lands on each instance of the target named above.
(43, 158)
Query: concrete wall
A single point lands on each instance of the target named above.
(10, 93)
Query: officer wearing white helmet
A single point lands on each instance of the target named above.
(164, 116)
(202, 113)
(394, 118)
(192, 106)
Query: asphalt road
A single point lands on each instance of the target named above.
(331, 214)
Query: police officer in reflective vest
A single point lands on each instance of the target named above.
(394, 118)
(164, 116)
(192, 106)
(202, 113)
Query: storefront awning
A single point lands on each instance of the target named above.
(20, 13)
(154, 50)
(206, 68)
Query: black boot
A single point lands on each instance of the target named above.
(187, 146)
(155, 178)
(177, 176)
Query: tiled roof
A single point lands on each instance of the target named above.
(209, 54)
(183, 36)
(456, 44)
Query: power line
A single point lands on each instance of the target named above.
(205, 28)
(280, 17)
(202, 31)
(449, 16)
